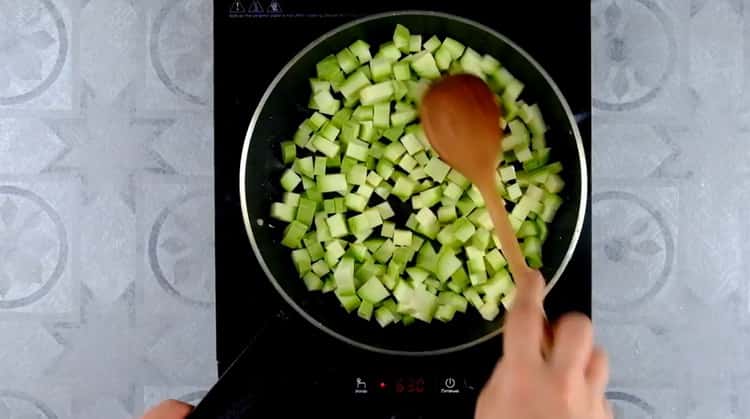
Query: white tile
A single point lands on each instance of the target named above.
(632, 151)
(103, 407)
(27, 146)
(28, 399)
(178, 71)
(102, 355)
(739, 401)
(715, 400)
(640, 355)
(187, 145)
(38, 223)
(634, 251)
(111, 41)
(175, 239)
(639, 59)
(645, 402)
(716, 64)
(108, 145)
(36, 70)
(712, 248)
(183, 349)
(27, 351)
(711, 148)
(108, 246)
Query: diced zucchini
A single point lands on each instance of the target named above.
(376, 93)
(301, 260)
(362, 113)
(362, 139)
(404, 188)
(347, 60)
(337, 225)
(318, 85)
(325, 102)
(424, 65)
(415, 43)
(528, 229)
(401, 71)
(437, 169)
(306, 211)
(475, 196)
(471, 62)
(383, 316)
(353, 84)
(283, 212)
(489, 64)
(293, 234)
(454, 47)
(400, 89)
(489, 311)
(551, 204)
(554, 184)
(408, 163)
(290, 180)
(401, 38)
(443, 58)
(381, 69)
(288, 152)
(361, 50)
(432, 44)
(393, 133)
(333, 183)
(381, 115)
(365, 310)
(402, 237)
(448, 264)
(514, 192)
(495, 259)
(417, 89)
(513, 90)
(349, 303)
(389, 51)
(463, 229)
(325, 146)
(536, 125)
(404, 117)
(373, 291)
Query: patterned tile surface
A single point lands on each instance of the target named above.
(106, 221)
(669, 181)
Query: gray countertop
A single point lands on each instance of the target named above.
(106, 214)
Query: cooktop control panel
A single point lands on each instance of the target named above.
(378, 386)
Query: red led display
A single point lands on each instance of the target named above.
(410, 385)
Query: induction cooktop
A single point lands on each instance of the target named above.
(288, 368)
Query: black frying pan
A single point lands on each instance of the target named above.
(282, 109)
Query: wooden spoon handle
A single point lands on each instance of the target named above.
(510, 247)
(512, 251)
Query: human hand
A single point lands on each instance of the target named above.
(566, 380)
(169, 409)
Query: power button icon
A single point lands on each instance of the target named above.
(450, 383)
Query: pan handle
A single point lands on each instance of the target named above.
(248, 387)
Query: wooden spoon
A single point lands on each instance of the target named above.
(461, 120)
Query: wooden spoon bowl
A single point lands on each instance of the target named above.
(461, 119)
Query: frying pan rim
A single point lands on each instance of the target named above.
(269, 90)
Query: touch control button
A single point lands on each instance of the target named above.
(449, 386)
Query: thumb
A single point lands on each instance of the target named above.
(529, 288)
(525, 333)
(169, 409)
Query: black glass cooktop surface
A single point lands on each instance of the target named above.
(294, 368)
